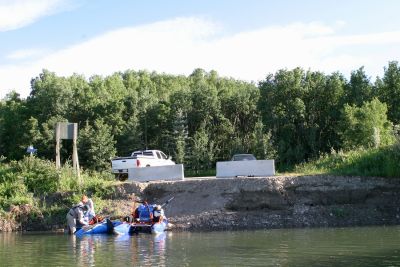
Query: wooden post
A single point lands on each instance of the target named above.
(65, 130)
(58, 138)
(75, 160)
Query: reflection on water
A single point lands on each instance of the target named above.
(124, 250)
(367, 246)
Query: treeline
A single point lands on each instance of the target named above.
(292, 115)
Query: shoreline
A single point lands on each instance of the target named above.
(253, 203)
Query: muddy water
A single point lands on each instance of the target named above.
(358, 246)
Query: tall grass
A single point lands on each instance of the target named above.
(382, 162)
(32, 179)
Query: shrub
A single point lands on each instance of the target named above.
(383, 162)
(40, 176)
(366, 126)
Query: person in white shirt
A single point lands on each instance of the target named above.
(88, 202)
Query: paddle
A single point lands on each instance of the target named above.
(162, 205)
(167, 202)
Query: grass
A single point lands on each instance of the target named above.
(200, 173)
(30, 180)
(382, 162)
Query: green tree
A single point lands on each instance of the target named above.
(359, 88)
(96, 146)
(323, 100)
(388, 89)
(203, 150)
(283, 109)
(262, 146)
(50, 96)
(366, 126)
(180, 106)
(13, 115)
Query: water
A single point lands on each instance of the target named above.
(358, 246)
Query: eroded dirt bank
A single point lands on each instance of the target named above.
(274, 202)
(251, 203)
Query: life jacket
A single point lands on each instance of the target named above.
(145, 212)
(95, 219)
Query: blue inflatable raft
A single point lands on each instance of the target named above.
(137, 227)
(105, 227)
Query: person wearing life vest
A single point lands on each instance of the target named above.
(143, 213)
(90, 214)
(76, 217)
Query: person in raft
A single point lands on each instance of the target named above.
(76, 217)
(158, 214)
(148, 213)
(90, 214)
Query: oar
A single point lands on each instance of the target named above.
(167, 202)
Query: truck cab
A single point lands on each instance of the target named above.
(139, 159)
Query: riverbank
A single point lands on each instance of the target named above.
(279, 202)
(256, 203)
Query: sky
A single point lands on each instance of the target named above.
(242, 39)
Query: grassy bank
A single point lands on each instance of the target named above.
(33, 189)
(382, 162)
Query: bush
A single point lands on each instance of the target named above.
(31, 179)
(382, 162)
(13, 191)
(366, 126)
(40, 176)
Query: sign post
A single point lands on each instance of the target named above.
(31, 150)
(65, 130)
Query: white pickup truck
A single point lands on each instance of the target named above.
(138, 159)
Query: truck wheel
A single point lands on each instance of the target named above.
(121, 176)
(147, 165)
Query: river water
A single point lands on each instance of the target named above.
(357, 246)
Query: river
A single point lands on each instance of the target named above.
(356, 246)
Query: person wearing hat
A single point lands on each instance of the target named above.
(158, 214)
(76, 217)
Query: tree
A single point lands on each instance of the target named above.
(202, 150)
(359, 89)
(13, 115)
(96, 146)
(50, 96)
(366, 126)
(283, 109)
(389, 91)
(204, 99)
(262, 146)
(180, 106)
(323, 100)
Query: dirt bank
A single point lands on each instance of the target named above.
(274, 202)
(252, 203)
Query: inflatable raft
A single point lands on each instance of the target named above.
(105, 227)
